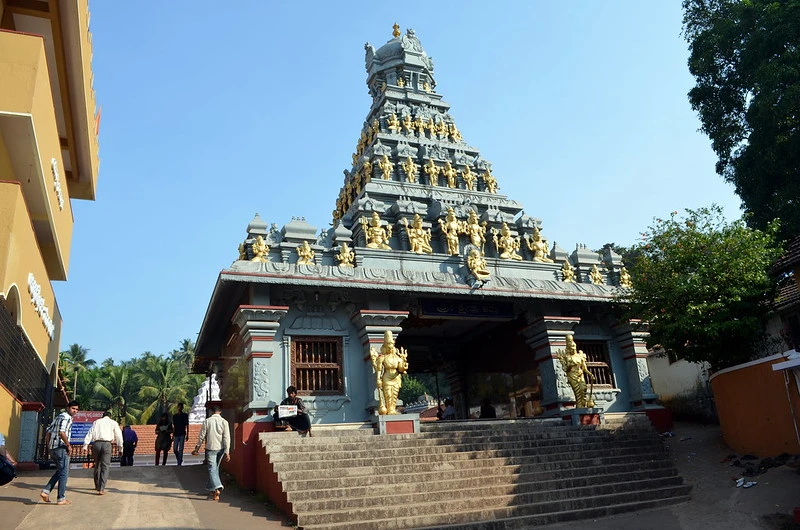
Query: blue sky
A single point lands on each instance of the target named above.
(212, 112)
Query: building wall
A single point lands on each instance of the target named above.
(759, 410)
(676, 379)
(9, 420)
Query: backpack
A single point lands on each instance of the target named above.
(7, 471)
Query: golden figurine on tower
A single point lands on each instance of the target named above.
(345, 256)
(376, 235)
(260, 249)
(387, 167)
(432, 170)
(305, 254)
(506, 244)
(418, 237)
(411, 169)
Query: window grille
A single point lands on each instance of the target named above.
(317, 365)
(597, 361)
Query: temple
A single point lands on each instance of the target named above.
(422, 243)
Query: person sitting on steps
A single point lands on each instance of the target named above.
(300, 423)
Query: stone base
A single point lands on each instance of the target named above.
(398, 424)
(584, 416)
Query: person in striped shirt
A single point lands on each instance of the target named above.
(57, 442)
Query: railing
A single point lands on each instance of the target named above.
(76, 455)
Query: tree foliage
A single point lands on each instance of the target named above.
(411, 390)
(745, 56)
(134, 391)
(703, 286)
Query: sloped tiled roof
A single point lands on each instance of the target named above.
(790, 258)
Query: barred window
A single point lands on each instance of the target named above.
(317, 365)
(597, 360)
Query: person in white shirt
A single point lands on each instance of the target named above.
(217, 434)
(103, 432)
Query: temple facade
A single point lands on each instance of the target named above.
(422, 243)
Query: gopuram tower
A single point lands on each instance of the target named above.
(422, 243)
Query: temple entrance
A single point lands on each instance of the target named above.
(483, 364)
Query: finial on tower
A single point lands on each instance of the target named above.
(396, 30)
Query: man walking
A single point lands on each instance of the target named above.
(129, 442)
(180, 422)
(57, 442)
(102, 433)
(217, 435)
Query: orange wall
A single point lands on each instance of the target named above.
(19, 256)
(26, 94)
(9, 423)
(756, 415)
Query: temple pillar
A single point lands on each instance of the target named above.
(632, 338)
(257, 328)
(547, 336)
(371, 325)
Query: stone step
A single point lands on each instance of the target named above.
(335, 486)
(511, 455)
(463, 494)
(388, 514)
(298, 472)
(354, 451)
(310, 445)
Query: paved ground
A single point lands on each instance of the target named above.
(174, 497)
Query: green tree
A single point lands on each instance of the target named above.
(163, 381)
(746, 61)
(185, 354)
(77, 359)
(703, 286)
(411, 390)
(116, 392)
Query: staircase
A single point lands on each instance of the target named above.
(500, 474)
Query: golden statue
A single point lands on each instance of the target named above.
(490, 181)
(401, 81)
(450, 173)
(242, 252)
(477, 265)
(393, 123)
(355, 158)
(420, 126)
(567, 272)
(376, 126)
(574, 363)
(538, 246)
(377, 236)
(306, 255)
(389, 364)
(505, 243)
(418, 237)
(408, 124)
(469, 178)
(451, 228)
(431, 126)
(441, 130)
(455, 134)
(625, 278)
(596, 276)
(432, 170)
(386, 167)
(260, 250)
(345, 256)
(411, 169)
(396, 30)
(426, 87)
(475, 230)
(367, 168)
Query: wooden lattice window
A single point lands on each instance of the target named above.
(597, 360)
(317, 365)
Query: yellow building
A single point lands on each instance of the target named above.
(48, 155)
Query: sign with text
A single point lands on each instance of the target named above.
(81, 423)
(472, 309)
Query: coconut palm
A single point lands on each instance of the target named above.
(163, 381)
(185, 354)
(115, 390)
(76, 358)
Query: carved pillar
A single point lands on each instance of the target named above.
(371, 325)
(632, 337)
(257, 328)
(546, 336)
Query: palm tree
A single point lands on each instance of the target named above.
(77, 360)
(115, 390)
(185, 354)
(163, 381)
